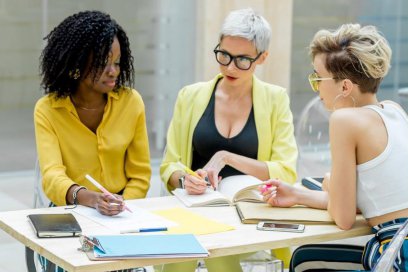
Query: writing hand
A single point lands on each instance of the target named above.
(195, 185)
(108, 205)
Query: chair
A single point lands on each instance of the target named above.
(40, 201)
(386, 261)
(312, 137)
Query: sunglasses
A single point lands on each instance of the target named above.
(314, 81)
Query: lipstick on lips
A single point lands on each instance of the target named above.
(231, 78)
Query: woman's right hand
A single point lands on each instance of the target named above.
(194, 185)
(108, 205)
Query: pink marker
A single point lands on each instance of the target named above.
(100, 187)
(266, 187)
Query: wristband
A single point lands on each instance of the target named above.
(181, 181)
(75, 193)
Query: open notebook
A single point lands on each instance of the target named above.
(230, 191)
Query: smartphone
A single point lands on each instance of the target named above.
(277, 226)
(313, 183)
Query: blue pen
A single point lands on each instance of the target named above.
(143, 230)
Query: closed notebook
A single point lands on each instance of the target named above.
(55, 225)
(251, 213)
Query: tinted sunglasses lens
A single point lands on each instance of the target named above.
(314, 83)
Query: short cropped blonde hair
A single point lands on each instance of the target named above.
(353, 52)
(247, 24)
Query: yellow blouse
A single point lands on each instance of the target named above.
(117, 155)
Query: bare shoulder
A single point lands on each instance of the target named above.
(353, 119)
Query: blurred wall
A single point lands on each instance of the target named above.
(172, 42)
(309, 16)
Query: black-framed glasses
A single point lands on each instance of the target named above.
(241, 62)
(314, 80)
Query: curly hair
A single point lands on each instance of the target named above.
(80, 45)
(358, 53)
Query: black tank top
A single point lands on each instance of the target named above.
(207, 140)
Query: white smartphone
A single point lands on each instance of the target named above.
(277, 226)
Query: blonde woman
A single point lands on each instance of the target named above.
(234, 124)
(368, 148)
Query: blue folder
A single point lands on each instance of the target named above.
(149, 246)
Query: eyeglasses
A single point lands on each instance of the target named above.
(314, 80)
(241, 62)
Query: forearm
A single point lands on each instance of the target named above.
(247, 165)
(311, 198)
(84, 197)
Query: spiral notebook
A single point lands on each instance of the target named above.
(147, 247)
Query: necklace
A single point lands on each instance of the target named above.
(85, 108)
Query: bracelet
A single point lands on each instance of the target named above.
(75, 193)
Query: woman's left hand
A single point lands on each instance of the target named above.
(214, 167)
(278, 193)
(325, 183)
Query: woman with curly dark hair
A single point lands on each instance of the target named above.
(90, 121)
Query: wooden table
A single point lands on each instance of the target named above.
(245, 238)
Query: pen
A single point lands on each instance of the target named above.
(191, 172)
(100, 187)
(143, 230)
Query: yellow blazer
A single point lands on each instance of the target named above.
(273, 119)
(117, 155)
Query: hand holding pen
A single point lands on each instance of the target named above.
(195, 183)
(112, 202)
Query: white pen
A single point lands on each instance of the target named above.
(143, 230)
(100, 187)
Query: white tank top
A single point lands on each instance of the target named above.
(382, 183)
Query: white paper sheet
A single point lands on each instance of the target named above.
(126, 221)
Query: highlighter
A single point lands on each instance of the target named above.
(191, 172)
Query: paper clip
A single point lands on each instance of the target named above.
(88, 243)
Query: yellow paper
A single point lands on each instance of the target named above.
(190, 222)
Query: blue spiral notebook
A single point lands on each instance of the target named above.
(149, 246)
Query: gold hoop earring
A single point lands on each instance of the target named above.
(74, 74)
(337, 98)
